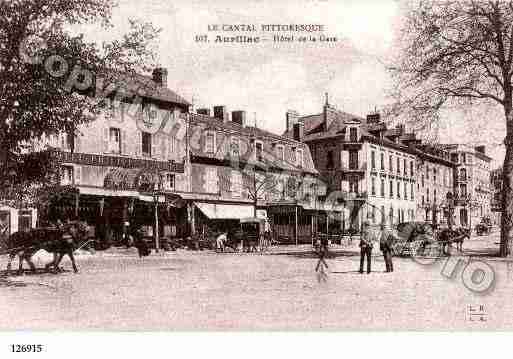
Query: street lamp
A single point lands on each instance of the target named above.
(156, 200)
(314, 190)
(450, 209)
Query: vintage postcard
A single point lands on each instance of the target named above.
(304, 165)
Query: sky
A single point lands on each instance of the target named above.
(267, 79)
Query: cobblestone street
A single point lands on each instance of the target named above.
(185, 290)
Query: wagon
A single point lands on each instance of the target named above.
(415, 239)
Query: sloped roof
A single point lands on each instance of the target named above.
(245, 133)
(314, 125)
(131, 84)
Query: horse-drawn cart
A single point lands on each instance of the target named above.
(422, 239)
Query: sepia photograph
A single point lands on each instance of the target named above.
(257, 165)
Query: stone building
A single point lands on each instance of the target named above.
(363, 161)
(147, 161)
(119, 171)
(384, 174)
(241, 171)
(434, 183)
(472, 187)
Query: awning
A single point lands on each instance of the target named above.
(225, 211)
(104, 192)
(131, 178)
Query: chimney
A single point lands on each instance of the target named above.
(299, 130)
(329, 115)
(373, 117)
(480, 149)
(239, 117)
(160, 76)
(292, 118)
(220, 113)
(203, 111)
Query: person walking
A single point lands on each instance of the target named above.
(367, 239)
(220, 240)
(385, 245)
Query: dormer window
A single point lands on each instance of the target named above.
(280, 152)
(299, 157)
(353, 134)
(293, 155)
(259, 151)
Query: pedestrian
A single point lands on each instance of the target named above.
(220, 240)
(367, 239)
(142, 247)
(385, 245)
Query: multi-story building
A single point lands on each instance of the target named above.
(364, 161)
(153, 163)
(385, 173)
(434, 183)
(472, 187)
(239, 171)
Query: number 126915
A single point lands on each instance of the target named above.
(26, 348)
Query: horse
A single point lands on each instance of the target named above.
(59, 241)
(446, 237)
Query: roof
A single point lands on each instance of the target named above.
(131, 84)
(246, 134)
(314, 124)
(314, 131)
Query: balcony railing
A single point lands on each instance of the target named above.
(354, 167)
(351, 195)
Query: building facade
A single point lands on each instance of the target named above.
(434, 183)
(363, 161)
(472, 186)
(152, 163)
(384, 174)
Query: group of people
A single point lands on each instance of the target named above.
(369, 239)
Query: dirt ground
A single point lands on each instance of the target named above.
(185, 290)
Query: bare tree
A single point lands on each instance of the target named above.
(456, 53)
(257, 184)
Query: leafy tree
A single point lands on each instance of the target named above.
(459, 53)
(49, 76)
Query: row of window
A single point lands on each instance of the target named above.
(406, 165)
(296, 153)
(431, 174)
(352, 164)
(394, 215)
(428, 197)
(115, 146)
(398, 193)
(461, 158)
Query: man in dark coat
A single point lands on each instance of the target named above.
(367, 239)
(385, 245)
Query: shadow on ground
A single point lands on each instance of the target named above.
(14, 273)
(7, 283)
(313, 254)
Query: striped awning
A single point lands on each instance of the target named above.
(131, 179)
